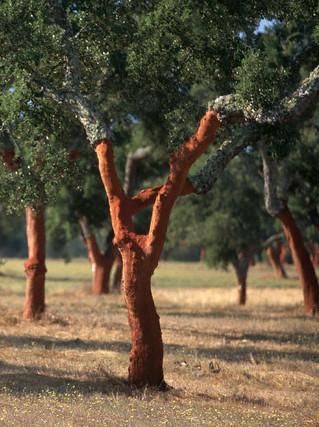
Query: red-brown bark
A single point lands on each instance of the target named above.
(146, 357)
(141, 253)
(101, 262)
(302, 262)
(274, 251)
(35, 269)
(101, 266)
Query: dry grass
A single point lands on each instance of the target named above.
(228, 366)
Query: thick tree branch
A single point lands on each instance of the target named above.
(85, 227)
(89, 239)
(230, 111)
(180, 163)
(84, 108)
(73, 65)
(130, 168)
(274, 205)
(204, 180)
(120, 215)
(148, 196)
(271, 240)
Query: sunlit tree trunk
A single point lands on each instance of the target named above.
(278, 208)
(146, 358)
(101, 263)
(35, 269)
(302, 262)
(141, 253)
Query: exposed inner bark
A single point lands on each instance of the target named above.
(141, 253)
(277, 207)
(146, 357)
(128, 187)
(101, 262)
(302, 262)
(35, 269)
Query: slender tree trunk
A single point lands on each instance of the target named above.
(241, 266)
(146, 357)
(274, 259)
(117, 276)
(302, 262)
(101, 262)
(35, 269)
(277, 207)
(242, 289)
(101, 266)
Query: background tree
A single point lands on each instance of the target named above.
(35, 163)
(80, 54)
(230, 223)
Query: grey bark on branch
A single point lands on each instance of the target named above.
(205, 179)
(85, 109)
(271, 240)
(274, 205)
(85, 227)
(230, 111)
(130, 168)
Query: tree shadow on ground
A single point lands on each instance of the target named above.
(260, 313)
(244, 353)
(241, 353)
(35, 380)
(49, 343)
(280, 337)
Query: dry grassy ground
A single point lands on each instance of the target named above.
(227, 365)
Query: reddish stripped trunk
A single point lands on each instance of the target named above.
(146, 357)
(275, 261)
(302, 262)
(101, 266)
(35, 269)
(141, 253)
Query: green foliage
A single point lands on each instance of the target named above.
(41, 139)
(281, 140)
(259, 83)
(150, 67)
(230, 220)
